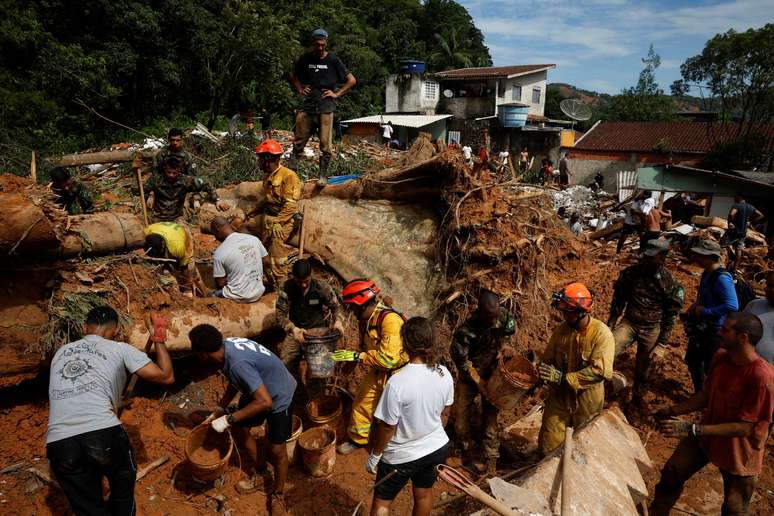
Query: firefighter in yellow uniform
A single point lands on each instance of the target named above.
(379, 327)
(576, 362)
(282, 189)
(173, 240)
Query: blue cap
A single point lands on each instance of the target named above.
(319, 33)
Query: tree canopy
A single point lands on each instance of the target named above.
(156, 63)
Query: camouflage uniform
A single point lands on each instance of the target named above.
(650, 303)
(477, 347)
(170, 198)
(315, 309)
(75, 199)
(161, 156)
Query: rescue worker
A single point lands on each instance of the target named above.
(166, 193)
(72, 195)
(476, 348)
(576, 362)
(649, 299)
(174, 148)
(305, 303)
(379, 327)
(282, 189)
(171, 240)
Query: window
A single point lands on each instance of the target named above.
(501, 88)
(516, 92)
(431, 90)
(536, 95)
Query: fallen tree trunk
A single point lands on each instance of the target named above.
(94, 158)
(231, 318)
(102, 233)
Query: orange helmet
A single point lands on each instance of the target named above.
(269, 147)
(359, 291)
(575, 297)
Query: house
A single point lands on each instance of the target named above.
(612, 147)
(406, 127)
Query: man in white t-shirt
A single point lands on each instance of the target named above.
(764, 309)
(85, 440)
(387, 132)
(467, 153)
(409, 422)
(237, 264)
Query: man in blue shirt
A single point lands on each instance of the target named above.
(740, 216)
(715, 300)
(266, 388)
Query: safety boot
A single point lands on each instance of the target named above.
(325, 161)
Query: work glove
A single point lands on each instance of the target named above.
(220, 424)
(298, 334)
(219, 411)
(549, 373)
(339, 326)
(345, 355)
(675, 427)
(160, 325)
(276, 230)
(373, 462)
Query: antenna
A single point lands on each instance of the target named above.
(575, 109)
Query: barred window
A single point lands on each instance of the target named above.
(431, 90)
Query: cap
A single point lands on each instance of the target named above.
(657, 246)
(319, 33)
(707, 248)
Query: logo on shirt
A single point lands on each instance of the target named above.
(74, 369)
(318, 67)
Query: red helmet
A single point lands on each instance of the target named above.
(575, 297)
(269, 147)
(359, 291)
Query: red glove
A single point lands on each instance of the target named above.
(160, 325)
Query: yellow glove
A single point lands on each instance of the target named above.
(345, 355)
(276, 230)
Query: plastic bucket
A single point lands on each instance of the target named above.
(208, 452)
(512, 378)
(298, 428)
(325, 411)
(318, 450)
(318, 347)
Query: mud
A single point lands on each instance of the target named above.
(316, 439)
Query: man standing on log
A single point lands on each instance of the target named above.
(379, 327)
(737, 405)
(279, 210)
(315, 78)
(73, 196)
(650, 299)
(477, 346)
(576, 362)
(85, 440)
(174, 148)
(166, 193)
(266, 390)
(237, 263)
(740, 216)
(305, 303)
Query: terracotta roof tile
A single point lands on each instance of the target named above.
(491, 72)
(688, 137)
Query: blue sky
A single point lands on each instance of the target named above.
(598, 44)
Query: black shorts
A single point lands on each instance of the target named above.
(628, 229)
(421, 472)
(279, 424)
(564, 179)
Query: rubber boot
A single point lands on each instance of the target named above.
(325, 160)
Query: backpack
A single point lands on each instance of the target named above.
(744, 292)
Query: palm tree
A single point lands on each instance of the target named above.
(450, 54)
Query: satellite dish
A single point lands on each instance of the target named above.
(448, 94)
(575, 109)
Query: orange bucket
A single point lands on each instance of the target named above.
(318, 450)
(512, 378)
(208, 452)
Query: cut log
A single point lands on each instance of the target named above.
(609, 230)
(93, 158)
(29, 220)
(102, 233)
(232, 319)
(705, 222)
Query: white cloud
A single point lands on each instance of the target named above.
(600, 86)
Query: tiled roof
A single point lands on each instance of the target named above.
(399, 120)
(687, 137)
(492, 72)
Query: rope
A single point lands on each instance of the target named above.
(123, 229)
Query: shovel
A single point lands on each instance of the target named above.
(464, 484)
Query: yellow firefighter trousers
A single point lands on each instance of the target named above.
(364, 406)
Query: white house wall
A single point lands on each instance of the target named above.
(408, 95)
(527, 83)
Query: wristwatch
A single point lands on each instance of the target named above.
(230, 419)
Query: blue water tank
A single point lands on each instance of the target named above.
(412, 66)
(512, 115)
